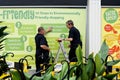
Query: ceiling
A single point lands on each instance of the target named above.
(55, 2)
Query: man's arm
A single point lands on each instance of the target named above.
(45, 47)
(68, 39)
(48, 30)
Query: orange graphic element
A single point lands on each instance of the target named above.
(111, 51)
(118, 55)
(114, 49)
(109, 28)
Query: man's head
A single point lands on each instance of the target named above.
(69, 24)
(41, 30)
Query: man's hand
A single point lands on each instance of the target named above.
(59, 40)
(49, 29)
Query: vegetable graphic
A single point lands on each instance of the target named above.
(109, 28)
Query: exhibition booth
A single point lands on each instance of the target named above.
(98, 22)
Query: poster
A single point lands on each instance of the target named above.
(23, 24)
(111, 30)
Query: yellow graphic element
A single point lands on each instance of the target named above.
(109, 43)
(117, 26)
(119, 39)
(110, 38)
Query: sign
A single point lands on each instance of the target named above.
(23, 24)
(111, 30)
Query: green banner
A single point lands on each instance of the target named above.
(23, 24)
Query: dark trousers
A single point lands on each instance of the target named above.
(72, 54)
(41, 59)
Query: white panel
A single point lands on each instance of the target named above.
(94, 26)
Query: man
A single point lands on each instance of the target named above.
(74, 38)
(42, 48)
